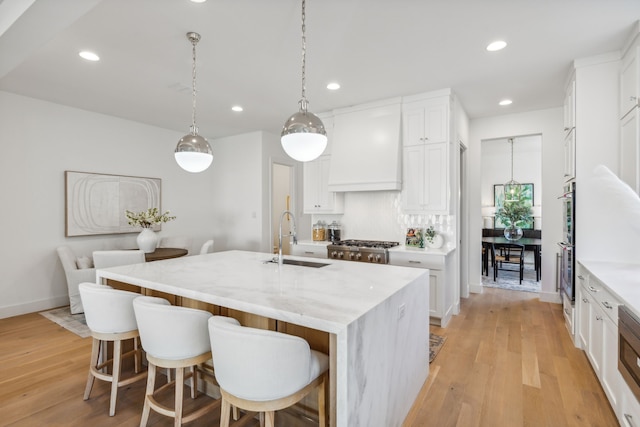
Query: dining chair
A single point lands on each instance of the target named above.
(110, 318)
(175, 338)
(508, 254)
(263, 371)
(106, 259)
(75, 275)
(207, 247)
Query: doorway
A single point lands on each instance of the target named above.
(281, 200)
(512, 158)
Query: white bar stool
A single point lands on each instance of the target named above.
(264, 371)
(174, 338)
(110, 317)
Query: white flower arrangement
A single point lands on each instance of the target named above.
(148, 218)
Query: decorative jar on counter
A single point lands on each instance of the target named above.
(319, 231)
(335, 231)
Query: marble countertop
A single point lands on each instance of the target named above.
(623, 280)
(327, 298)
(444, 250)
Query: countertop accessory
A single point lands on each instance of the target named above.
(303, 135)
(193, 152)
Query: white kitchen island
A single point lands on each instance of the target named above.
(376, 316)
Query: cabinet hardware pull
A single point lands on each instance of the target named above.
(592, 289)
(629, 419)
(414, 262)
(633, 98)
(566, 129)
(309, 252)
(598, 317)
(585, 300)
(580, 277)
(566, 311)
(607, 305)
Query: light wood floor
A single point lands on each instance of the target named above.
(508, 361)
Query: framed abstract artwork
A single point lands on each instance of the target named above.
(95, 203)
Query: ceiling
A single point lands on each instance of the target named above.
(250, 54)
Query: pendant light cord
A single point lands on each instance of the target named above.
(511, 141)
(303, 101)
(194, 128)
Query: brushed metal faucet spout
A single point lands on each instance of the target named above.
(292, 234)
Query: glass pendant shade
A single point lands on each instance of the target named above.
(512, 189)
(303, 136)
(193, 153)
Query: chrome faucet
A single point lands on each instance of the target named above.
(292, 233)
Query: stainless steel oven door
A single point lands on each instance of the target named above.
(629, 349)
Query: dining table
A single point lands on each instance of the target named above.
(529, 243)
(165, 253)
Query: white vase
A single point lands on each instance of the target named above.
(147, 240)
(438, 241)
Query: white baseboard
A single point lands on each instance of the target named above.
(550, 297)
(33, 306)
(476, 289)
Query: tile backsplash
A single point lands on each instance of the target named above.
(377, 215)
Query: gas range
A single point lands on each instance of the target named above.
(361, 250)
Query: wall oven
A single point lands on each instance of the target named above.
(629, 349)
(567, 246)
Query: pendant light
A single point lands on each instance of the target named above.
(303, 135)
(193, 152)
(512, 189)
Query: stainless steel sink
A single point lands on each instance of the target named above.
(299, 263)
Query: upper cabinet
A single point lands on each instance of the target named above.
(317, 198)
(570, 130)
(630, 113)
(629, 80)
(426, 159)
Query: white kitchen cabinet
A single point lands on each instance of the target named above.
(598, 331)
(570, 130)
(629, 80)
(629, 413)
(310, 249)
(570, 107)
(426, 158)
(317, 198)
(441, 293)
(630, 149)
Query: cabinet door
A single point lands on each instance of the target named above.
(325, 198)
(413, 178)
(611, 378)
(425, 121)
(583, 316)
(311, 186)
(570, 108)
(436, 177)
(570, 155)
(629, 81)
(595, 344)
(629, 149)
(436, 294)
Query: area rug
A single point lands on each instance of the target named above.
(435, 345)
(510, 280)
(75, 323)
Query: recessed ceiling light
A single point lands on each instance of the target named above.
(198, 1)
(496, 45)
(333, 86)
(237, 108)
(505, 102)
(89, 56)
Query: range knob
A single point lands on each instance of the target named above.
(351, 255)
(334, 254)
(340, 254)
(358, 256)
(378, 258)
(370, 257)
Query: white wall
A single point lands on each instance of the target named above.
(40, 141)
(229, 202)
(548, 123)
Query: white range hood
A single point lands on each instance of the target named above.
(366, 150)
